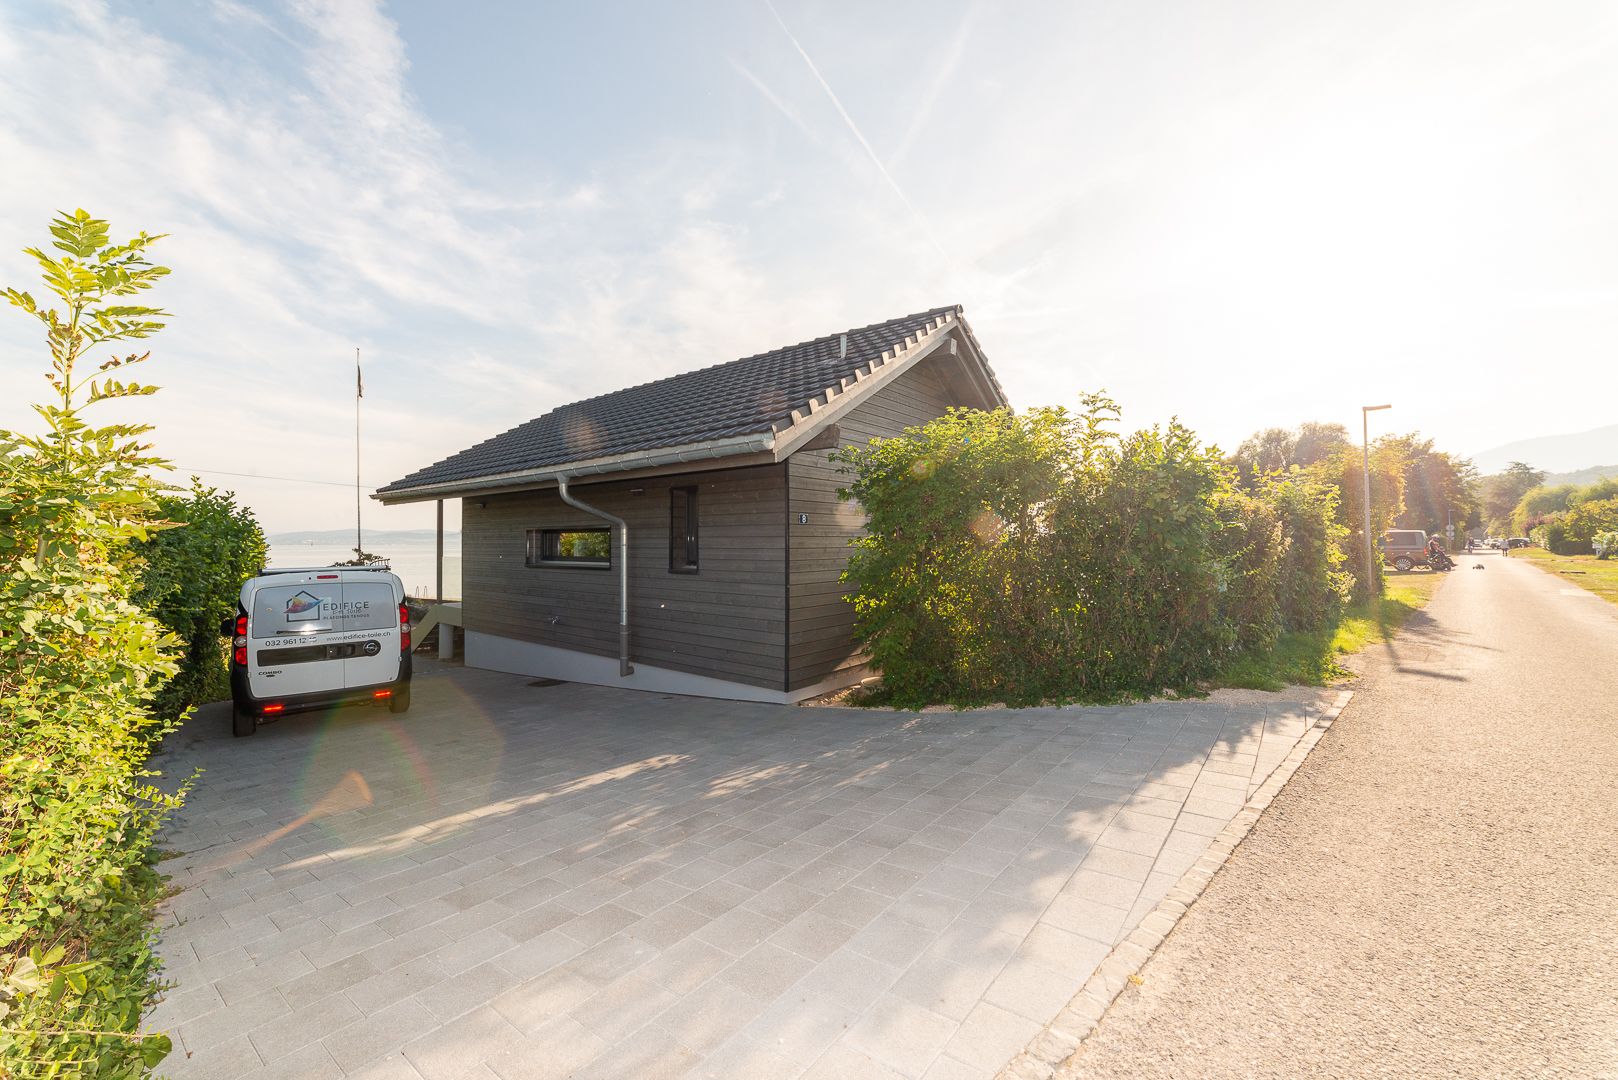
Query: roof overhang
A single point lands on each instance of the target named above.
(952, 336)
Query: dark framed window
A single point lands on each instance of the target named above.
(683, 530)
(589, 549)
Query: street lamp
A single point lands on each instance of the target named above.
(1365, 433)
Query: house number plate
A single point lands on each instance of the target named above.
(803, 519)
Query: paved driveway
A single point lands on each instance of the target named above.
(519, 880)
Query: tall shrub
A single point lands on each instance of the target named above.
(79, 665)
(1034, 556)
(1312, 585)
(190, 580)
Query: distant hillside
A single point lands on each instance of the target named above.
(1554, 453)
(373, 537)
(1582, 476)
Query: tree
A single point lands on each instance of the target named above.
(79, 664)
(1500, 494)
(1439, 489)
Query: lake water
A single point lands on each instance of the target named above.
(412, 560)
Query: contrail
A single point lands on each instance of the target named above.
(926, 227)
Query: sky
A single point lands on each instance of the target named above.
(1240, 214)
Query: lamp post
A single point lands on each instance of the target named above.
(1365, 434)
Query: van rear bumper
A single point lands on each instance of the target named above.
(241, 694)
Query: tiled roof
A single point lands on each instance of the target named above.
(753, 395)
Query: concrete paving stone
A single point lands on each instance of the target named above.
(705, 1017)
(618, 955)
(652, 895)
(339, 946)
(535, 1003)
(990, 1036)
(686, 965)
(716, 897)
(759, 874)
(458, 994)
(622, 1006)
(945, 987)
(983, 860)
(813, 935)
(850, 977)
(741, 1058)
(447, 1052)
(211, 1030)
(216, 1056)
(554, 1052)
(394, 1066)
(468, 952)
(739, 931)
(597, 925)
(1134, 843)
(306, 1023)
(931, 910)
(250, 981)
(783, 901)
(1063, 950)
(975, 945)
(901, 1034)
(330, 979)
(416, 915)
(800, 1025)
(543, 919)
(648, 1054)
(1200, 825)
(1006, 914)
(843, 1062)
(948, 1068)
(1033, 990)
(181, 1004)
(892, 940)
(766, 971)
(1122, 864)
(377, 1035)
(310, 1062)
(395, 984)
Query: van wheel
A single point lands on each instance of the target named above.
(400, 701)
(243, 722)
(1403, 565)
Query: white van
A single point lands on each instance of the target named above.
(316, 636)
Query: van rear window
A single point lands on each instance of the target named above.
(321, 607)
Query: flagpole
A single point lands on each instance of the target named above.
(359, 392)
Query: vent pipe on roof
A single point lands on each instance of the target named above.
(624, 667)
(842, 348)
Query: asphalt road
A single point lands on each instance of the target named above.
(1435, 894)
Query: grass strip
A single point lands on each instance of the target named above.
(1313, 658)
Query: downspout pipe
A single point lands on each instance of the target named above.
(624, 667)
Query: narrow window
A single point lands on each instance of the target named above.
(683, 530)
(587, 548)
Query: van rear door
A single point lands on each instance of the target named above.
(290, 626)
(371, 624)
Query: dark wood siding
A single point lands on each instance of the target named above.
(821, 643)
(727, 621)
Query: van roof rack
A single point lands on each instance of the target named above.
(266, 571)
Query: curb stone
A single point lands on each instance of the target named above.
(1078, 1020)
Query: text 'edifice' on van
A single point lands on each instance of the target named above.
(685, 535)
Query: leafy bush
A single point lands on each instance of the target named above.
(190, 582)
(1313, 586)
(79, 665)
(1037, 556)
(1605, 544)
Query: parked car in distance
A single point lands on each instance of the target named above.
(1404, 549)
(312, 637)
(1519, 541)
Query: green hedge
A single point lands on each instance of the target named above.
(191, 579)
(1036, 556)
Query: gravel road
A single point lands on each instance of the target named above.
(1435, 894)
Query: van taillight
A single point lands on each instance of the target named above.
(404, 628)
(241, 626)
(241, 656)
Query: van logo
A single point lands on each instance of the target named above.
(303, 606)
